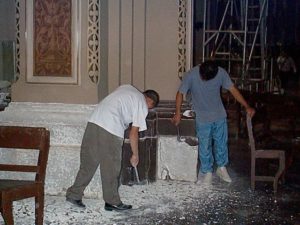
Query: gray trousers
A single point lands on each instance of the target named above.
(99, 147)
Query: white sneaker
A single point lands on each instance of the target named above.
(205, 179)
(223, 174)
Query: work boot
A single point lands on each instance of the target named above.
(119, 208)
(77, 203)
(223, 174)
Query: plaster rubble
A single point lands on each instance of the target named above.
(176, 159)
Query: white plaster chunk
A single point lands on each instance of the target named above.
(176, 159)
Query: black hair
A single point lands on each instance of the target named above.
(208, 70)
(153, 95)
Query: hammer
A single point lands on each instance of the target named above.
(138, 178)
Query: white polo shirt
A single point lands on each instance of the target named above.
(123, 106)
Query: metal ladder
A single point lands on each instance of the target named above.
(234, 33)
(255, 40)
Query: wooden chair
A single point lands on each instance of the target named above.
(264, 154)
(29, 138)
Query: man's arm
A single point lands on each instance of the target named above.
(134, 144)
(293, 65)
(177, 117)
(238, 96)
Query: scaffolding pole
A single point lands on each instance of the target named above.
(234, 33)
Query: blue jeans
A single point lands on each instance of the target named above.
(213, 138)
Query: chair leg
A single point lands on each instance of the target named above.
(282, 168)
(39, 207)
(275, 184)
(279, 172)
(252, 172)
(7, 212)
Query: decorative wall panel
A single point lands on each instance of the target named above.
(17, 39)
(52, 38)
(182, 37)
(52, 41)
(93, 40)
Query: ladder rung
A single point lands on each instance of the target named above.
(253, 19)
(255, 45)
(254, 68)
(225, 31)
(228, 59)
(222, 53)
(253, 6)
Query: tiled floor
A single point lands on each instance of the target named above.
(182, 203)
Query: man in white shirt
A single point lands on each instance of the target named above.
(103, 139)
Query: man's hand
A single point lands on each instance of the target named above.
(177, 116)
(250, 111)
(238, 96)
(134, 144)
(176, 119)
(134, 160)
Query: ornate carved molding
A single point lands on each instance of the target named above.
(94, 40)
(17, 58)
(182, 37)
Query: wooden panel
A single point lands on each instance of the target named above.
(20, 137)
(13, 190)
(52, 38)
(20, 168)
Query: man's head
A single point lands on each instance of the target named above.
(208, 70)
(152, 98)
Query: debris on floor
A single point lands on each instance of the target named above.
(176, 203)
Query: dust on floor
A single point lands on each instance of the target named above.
(176, 203)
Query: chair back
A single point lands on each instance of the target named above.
(29, 138)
